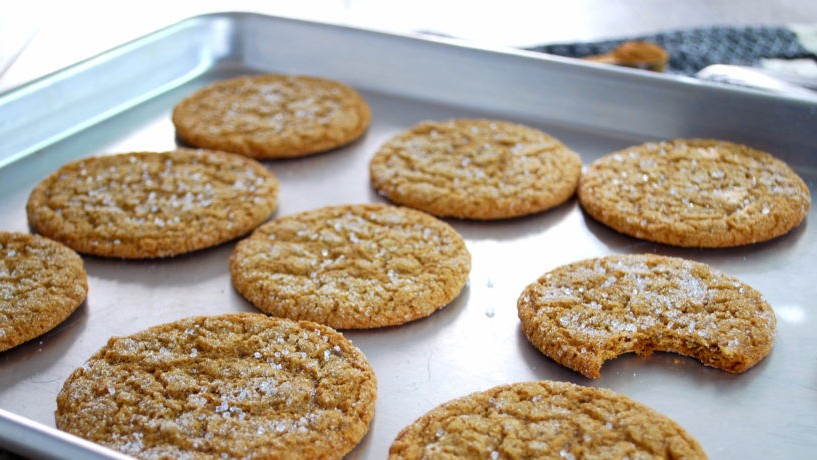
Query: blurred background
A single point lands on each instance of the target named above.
(38, 37)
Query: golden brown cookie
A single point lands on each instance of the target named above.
(146, 205)
(587, 312)
(352, 266)
(547, 420)
(695, 193)
(475, 169)
(231, 386)
(272, 116)
(41, 283)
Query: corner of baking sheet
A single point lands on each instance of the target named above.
(36, 440)
(67, 101)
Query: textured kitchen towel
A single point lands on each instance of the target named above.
(691, 50)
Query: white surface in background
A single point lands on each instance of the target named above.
(17, 27)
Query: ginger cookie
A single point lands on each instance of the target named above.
(272, 116)
(147, 205)
(352, 266)
(41, 283)
(230, 386)
(695, 193)
(544, 419)
(587, 312)
(475, 169)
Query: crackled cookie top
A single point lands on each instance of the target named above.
(41, 283)
(475, 169)
(547, 420)
(146, 205)
(587, 312)
(231, 386)
(272, 116)
(695, 193)
(352, 266)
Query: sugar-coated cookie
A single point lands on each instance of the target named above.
(147, 205)
(352, 266)
(587, 312)
(475, 169)
(695, 193)
(548, 420)
(230, 386)
(272, 116)
(41, 283)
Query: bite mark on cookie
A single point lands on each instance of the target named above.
(588, 312)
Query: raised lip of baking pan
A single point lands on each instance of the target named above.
(102, 86)
(516, 83)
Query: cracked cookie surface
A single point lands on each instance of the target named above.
(550, 420)
(230, 386)
(695, 193)
(41, 283)
(587, 312)
(352, 266)
(272, 116)
(148, 205)
(475, 169)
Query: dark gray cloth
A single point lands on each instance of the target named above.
(691, 50)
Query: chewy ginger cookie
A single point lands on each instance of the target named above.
(41, 283)
(272, 116)
(587, 312)
(695, 193)
(544, 419)
(231, 386)
(475, 169)
(147, 205)
(352, 266)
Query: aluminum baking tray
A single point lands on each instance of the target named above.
(121, 101)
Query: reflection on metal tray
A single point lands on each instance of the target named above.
(121, 101)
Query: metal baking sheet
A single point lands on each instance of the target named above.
(121, 101)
